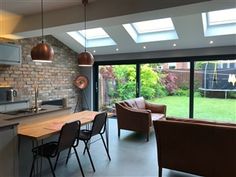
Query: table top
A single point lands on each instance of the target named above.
(46, 128)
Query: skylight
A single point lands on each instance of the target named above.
(95, 37)
(94, 33)
(152, 30)
(222, 17)
(154, 25)
(221, 22)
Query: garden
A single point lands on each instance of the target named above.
(164, 86)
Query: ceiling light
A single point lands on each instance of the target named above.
(211, 42)
(174, 45)
(42, 52)
(85, 58)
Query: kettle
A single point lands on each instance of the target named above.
(11, 94)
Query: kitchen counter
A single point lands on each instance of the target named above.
(4, 123)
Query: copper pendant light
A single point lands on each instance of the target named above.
(42, 52)
(85, 58)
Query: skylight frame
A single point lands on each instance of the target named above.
(152, 35)
(217, 29)
(94, 41)
(214, 16)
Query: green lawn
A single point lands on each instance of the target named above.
(223, 110)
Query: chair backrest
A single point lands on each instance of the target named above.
(68, 135)
(99, 123)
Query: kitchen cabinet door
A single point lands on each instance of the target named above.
(8, 152)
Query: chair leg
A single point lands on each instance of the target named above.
(118, 132)
(32, 167)
(105, 147)
(147, 138)
(68, 156)
(55, 165)
(80, 166)
(90, 158)
(50, 163)
(160, 172)
(88, 146)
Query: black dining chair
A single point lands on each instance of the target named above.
(68, 139)
(98, 128)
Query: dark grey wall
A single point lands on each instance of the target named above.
(211, 51)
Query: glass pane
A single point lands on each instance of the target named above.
(154, 25)
(116, 83)
(215, 91)
(94, 33)
(167, 83)
(222, 17)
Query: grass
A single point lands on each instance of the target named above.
(214, 109)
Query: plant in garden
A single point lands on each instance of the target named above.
(169, 81)
(151, 85)
(125, 76)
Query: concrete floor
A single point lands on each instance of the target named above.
(130, 155)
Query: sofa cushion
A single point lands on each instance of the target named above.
(140, 102)
(131, 103)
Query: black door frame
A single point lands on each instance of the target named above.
(191, 59)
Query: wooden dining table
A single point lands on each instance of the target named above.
(46, 128)
(40, 130)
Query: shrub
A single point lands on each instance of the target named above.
(169, 81)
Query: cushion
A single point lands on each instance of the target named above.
(131, 103)
(140, 103)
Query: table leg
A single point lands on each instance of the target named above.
(38, 171)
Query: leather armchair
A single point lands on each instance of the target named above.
(137, 115)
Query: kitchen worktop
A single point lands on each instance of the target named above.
(4, 123)
(11, 118)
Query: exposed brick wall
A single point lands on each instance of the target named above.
(54, 80)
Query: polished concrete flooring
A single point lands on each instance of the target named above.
(131, 156)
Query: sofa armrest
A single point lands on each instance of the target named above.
(156, 108)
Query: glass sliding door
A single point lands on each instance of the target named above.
(215, 90)
(167, 83)
(116, 83)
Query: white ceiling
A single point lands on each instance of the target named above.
(62, 16)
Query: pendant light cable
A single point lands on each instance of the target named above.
(85, 25)
(42, 21)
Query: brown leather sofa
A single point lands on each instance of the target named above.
(198, 147)
(137, 115)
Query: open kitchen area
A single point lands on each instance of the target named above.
(33, 92)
